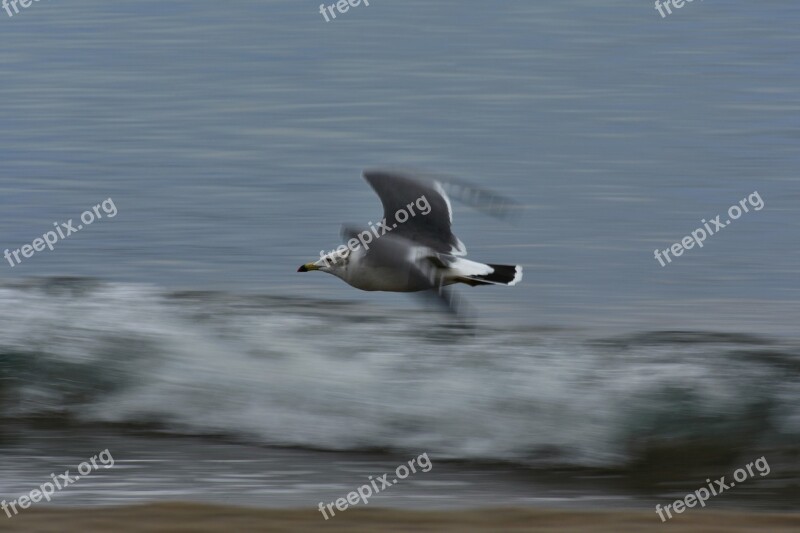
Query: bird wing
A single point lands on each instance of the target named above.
(430, 225)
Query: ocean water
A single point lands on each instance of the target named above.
(130, 367)
(231, 138)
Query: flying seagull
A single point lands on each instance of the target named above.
(413, 248)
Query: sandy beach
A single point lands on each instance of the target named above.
(203, 518)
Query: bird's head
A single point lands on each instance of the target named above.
(333, 263)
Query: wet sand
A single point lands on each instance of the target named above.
(202, 518)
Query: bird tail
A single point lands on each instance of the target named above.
(499, 275)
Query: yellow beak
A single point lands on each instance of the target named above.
(308, 267)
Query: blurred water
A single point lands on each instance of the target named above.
(231, 137)
(84, 364)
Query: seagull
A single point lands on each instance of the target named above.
(413, 248)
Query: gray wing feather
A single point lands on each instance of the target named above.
(398, 191)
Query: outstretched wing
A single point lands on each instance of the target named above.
(416, 209)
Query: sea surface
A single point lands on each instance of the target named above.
(231, 138)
